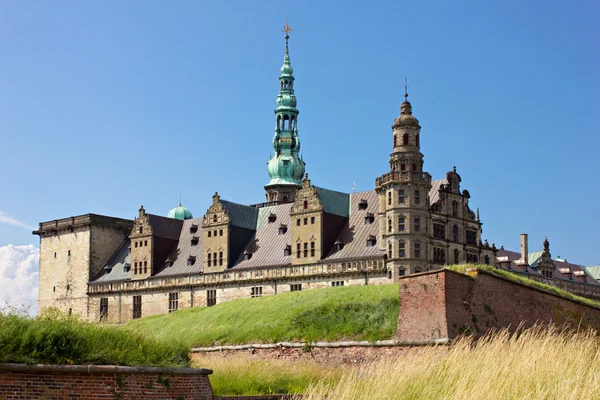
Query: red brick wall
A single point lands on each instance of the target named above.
(460, 303)
(57, 382)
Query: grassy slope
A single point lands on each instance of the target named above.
(355, 312)
(56, 339)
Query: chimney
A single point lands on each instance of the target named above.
(524, 251)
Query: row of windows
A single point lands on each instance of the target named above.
(402, 249)
(402, 199)
(405, 140)
(137, 267)
(212, 259)
(214, 233)
(312, 221)
(402, 224)
(140, 243)
(439, 232)
(303, 250)
(68, 253)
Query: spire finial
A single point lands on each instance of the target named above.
(405, 89)
(287, 29)
(179, 198)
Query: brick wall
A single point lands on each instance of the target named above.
(20, 381)
(443, 304)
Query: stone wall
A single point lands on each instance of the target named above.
(443, 304)
(20, 381)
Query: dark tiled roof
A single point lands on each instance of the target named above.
(434, 192)
(336, 203)
(185, 249)
(117, 261)
(240, 215)
(354, 234)
(166, 228)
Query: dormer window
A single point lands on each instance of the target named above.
(215, 218)
(287, 251)
(371, 241)
(282, 229)
(247, 255)
(369, 218)
(141, 229)
(193, 228)
(169, 263)
(362, 205)
(338, 245)
(127, 267)
(107, 268)
(195, 240)
(191, 260)
(305, 204)
(272, 217)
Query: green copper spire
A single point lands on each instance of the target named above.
(286, 168)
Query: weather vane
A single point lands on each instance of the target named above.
(287, 29)
(405, 88)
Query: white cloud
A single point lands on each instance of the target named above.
(19, 276)
(8, 220)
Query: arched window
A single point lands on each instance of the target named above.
(455, 233)
(305, 204)
(405, 138)
(215, 218)
(395, 141)
(285, 199)
(403, 167)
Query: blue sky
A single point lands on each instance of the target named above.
(110, 105)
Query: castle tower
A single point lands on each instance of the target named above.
(286, 168)
(404, 217)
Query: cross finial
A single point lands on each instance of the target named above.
(287, 29)
(405, 89)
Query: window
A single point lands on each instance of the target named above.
(296, 287)
(455, 208)
(195, 240)
(414, 168)
(173, 302)
(417, 223)
(298, 250)
(103, 309)
(272, 218)
(455, 233)
(193, 228)
(256, 291)
(312, 220)
(137, 307)
(305, 204)
(417, 140)
(456, 256)
(247, 255)
(312, 249)
(298, 222)
(371, 241)
(369, 218)
(389, 224)
(389, 274)
(209, 258)
(145, 269)
(417, 250)
(401, 249)
(211, 298)
(401, 223)
(145, 243)
(439, 255)
(68, 287)
(337, 283)
(472, 258)
(487, 260)
(439, 231)
(134, 245)
(141, 229)
(215, 233)
(215, 218)
(401, 271)
(68, 253)
(390, 252)
(362, 205)
(402, 167)
(287, 251)
(305, 221)
(417, 192)
(282, 229)
(389, 198)
(405, 139)
(135, 267)
(220, 232)
(145, 263)
(220, 258)
(401, 196)
(338, 245)
(209, 233)
(472, 237)
(192, 260)
(305, 250)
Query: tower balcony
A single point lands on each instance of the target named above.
(402, 177)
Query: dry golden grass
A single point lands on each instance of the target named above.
(241, 374)
(538, 364)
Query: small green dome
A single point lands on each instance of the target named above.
(180, 212)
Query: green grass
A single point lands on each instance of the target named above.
(341, 313)
(58, 339)
(526, 281)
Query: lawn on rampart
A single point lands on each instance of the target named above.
(330, 314)
(54, 338)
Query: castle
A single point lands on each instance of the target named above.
(302, 237)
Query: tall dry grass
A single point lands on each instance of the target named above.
(540, 363)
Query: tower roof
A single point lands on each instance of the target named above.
(180, 212)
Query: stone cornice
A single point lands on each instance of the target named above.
(83, 220)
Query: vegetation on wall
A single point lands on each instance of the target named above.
(55, 338)
(340, 313)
